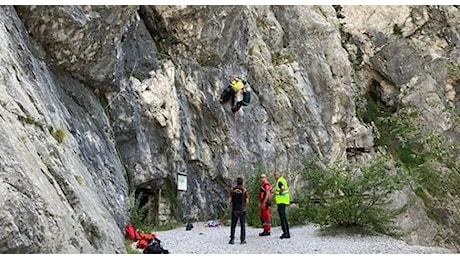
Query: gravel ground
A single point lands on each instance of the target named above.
(304, 240)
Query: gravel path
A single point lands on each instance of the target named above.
(304, 240)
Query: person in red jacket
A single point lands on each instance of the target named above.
(265, 203)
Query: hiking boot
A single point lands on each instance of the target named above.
(285, 236)
(243, 242)
(231, 242)
(265, 233)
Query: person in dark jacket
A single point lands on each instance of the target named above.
(239, 197)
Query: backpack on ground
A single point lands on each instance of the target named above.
(189, 227)
(155, 248)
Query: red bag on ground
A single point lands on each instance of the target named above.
(130, 232)
(145, 239)
(142, 243)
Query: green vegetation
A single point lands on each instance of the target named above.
(453, 69)
(139, 220)
(427, 157)
(347, 39)
(251, 51)
(143, 212)
(167, 226)
(358, 60)
(129, 179)
(104, 103)
(253, 185)
(48, 164)
(452, 110)
(341, 196)
(23, 139)
(28, 119)
(374, 111)
(279, 58)
(171, 196)
(128, 247)
(79, 179)
(138, 215)
(59, 134)
(263, 24)
(337, 196)
(397, 30)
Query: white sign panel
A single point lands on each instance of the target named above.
(181, 181)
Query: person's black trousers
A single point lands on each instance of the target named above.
(283, 218)
(238, 215)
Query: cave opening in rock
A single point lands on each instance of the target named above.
(146, 210)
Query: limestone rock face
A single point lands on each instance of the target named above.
(102, 104)
(400, 53)
(301, 104)
(62, 185)
(82, 40)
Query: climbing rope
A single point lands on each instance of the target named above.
(235, 147)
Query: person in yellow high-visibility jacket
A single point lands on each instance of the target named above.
(282, 199)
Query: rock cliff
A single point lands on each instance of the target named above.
(99, 104)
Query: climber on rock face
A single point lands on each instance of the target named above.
(238, 92)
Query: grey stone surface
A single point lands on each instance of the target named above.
(304, 240)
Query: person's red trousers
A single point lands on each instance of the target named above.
(265, 218)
